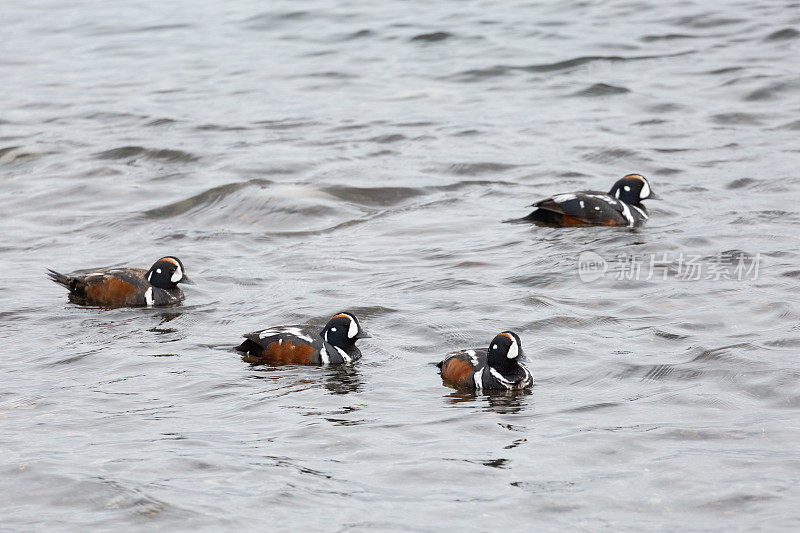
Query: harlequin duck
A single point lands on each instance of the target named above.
(621, 206)
(126, 287)
(306, 345)
(498, 368)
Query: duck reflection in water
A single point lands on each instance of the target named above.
(338, 379)
(167, 316)
(342, 379)
(503, 402)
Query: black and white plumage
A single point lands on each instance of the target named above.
(621, 206)
(497, 368)
(305, 344)
(126, 287)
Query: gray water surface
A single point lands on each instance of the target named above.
(302, 158)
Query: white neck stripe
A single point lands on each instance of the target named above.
(478, 379)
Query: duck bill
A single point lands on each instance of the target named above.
(653, 196)
(185, 279)
(363, 335)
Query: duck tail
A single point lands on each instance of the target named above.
(59, 278)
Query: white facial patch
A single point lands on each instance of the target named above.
(176, 277)
(513, 350)
(627, 189)
(353, 330)
(645, 190)
(617, 193)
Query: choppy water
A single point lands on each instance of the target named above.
(307, 157)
